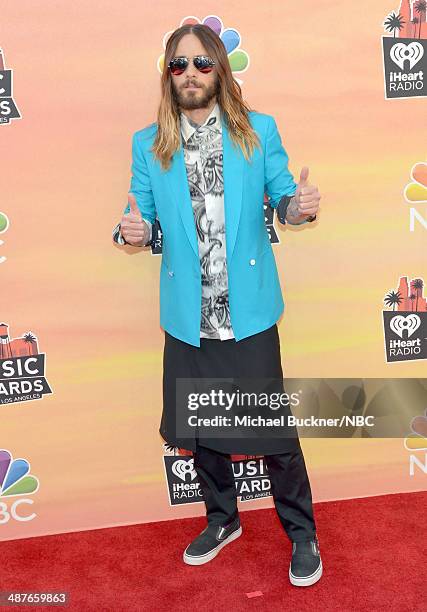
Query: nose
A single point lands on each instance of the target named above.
(191, 70)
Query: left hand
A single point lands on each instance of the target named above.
(307, 197)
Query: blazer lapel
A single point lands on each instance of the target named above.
(178, 185)
(233, 170)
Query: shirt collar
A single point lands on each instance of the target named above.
(188, 126)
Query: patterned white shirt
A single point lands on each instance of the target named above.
(203, 158)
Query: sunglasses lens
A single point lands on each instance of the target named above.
(203, 64)
(177, 66)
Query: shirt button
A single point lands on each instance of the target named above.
(252, 262)
(170, 273)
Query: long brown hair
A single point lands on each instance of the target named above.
(233, 108)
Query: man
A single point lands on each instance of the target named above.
(202, 169)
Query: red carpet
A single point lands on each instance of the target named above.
(373, 551)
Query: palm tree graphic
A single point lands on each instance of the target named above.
(393, 298)
(412, 297)
(170, 448)
(414, 31)
(394, 22)
(30, 339)
(418, 285)
(420, 7)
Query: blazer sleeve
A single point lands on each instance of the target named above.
(279, 181)
(140, 184)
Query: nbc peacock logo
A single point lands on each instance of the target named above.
(14, 476)
(22, 368)
(415, 193)
(405, 332)
(416, 442)
(405, 52)
(417, 439)
(15, 481)
(238, 58)
(4, 226)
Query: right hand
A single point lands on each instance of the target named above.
(134, 229)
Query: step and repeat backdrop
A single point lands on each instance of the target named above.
(80, 342)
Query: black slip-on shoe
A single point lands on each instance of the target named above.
(210, 541)
(306, 564)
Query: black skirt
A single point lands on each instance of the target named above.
(256, 357)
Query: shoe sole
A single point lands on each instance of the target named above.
(201, 559)
(307, 581)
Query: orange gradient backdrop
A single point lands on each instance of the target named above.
(85, 79)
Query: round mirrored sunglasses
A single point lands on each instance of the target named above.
(203, 63)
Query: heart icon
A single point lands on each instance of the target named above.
(399, 323)
(401, 52)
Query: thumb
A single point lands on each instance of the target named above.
(133, 205)
(303, 179)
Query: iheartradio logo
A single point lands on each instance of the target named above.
(405, 331)
(405, 51)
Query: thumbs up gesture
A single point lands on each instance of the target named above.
(133, 228)
(307, 197)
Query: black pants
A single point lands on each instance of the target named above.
(289, 485)
(256, 357)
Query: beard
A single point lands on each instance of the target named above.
(190, 99)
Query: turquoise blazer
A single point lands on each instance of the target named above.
(255, 295)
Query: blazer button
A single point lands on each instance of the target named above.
(252, 262)
(170, 273)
